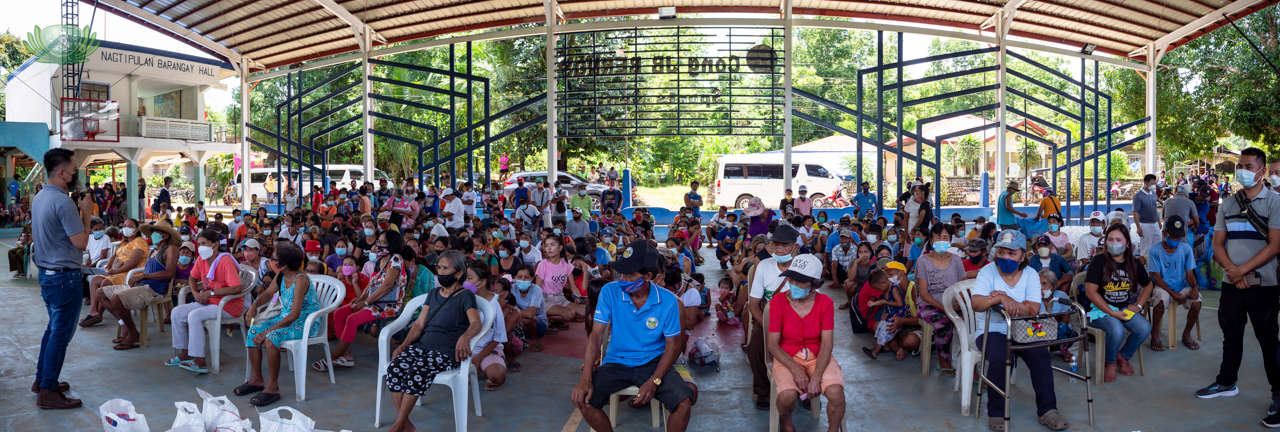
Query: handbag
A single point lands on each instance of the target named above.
(1034, 330)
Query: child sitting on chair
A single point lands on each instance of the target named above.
(892, 304)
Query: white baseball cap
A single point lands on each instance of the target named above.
(447, 191)
(1098, 216)
(804, 268)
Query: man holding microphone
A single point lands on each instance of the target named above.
(58, 230)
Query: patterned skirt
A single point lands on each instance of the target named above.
(413, 370)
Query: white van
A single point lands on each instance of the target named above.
(741, 177)
(343, 174)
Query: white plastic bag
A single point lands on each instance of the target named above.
(118, 415)
(704, 352)
(188, 416)
(218, 411)
(188, 428)
(236, 426)
(271, 421)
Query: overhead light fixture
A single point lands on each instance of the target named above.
(667, 13)
(1088, 49)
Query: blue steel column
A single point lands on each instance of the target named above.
(880, 119)
(898, 105)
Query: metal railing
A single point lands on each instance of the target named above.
(191, 130)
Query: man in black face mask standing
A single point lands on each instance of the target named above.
(58, 230)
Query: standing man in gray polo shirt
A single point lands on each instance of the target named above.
(1249, 291)
(1146, 215)
(1180, 205)
(58, 228)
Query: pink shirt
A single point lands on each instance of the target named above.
(553, 276)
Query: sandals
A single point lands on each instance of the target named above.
(560, 326)
(490, 386)
(264, 399)
(1157, 346)
(867, 351)
(247, 389)
(535, 346)
(951, 371)
(175, 361)
(122, 347)
(514, 367)
(844, 306)
(321, 365)
(90, 320)
(192, 366)
(1053, 420)
(1190, 344)
(342, 361)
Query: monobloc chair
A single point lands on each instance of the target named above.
(815, 403)
(659, 415)
(461, 381)
(159, 307)
(330, 292)
(248, 276)
(967, 355)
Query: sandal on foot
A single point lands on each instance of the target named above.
(1053, 420)
(264, 399)
(247, 389)
(173, 361)
(342, 361)
(950, 371)
(514, 367)
(1190, 344)
(1157, 346)
(192, 366)
(844, 306)
(490, 386)
(867, 351)
(321, 365)
(535, 346)
(122, 347)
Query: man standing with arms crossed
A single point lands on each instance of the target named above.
(58, 228)
(1250, 292)
(1148, 218)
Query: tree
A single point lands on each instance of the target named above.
(12, 54)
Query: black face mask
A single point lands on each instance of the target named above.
(975, 259)
(447, 280)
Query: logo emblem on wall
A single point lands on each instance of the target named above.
(61, 44)
(762, 59)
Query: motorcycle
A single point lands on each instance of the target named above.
(834, 200)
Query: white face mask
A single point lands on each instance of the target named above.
(1046, 293)
(1274, 179)
(895, 279)
(206, 252)
(128, 232)
(1044, 252)
(1096, 230)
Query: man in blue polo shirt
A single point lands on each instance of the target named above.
(644, 341)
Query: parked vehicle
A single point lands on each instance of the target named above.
(741, 177)
(568, 183)
(343, 174)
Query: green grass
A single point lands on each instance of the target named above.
(671, 197)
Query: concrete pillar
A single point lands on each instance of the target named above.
(1002, 163)
(1153, 61)
(786, 89)
(549, 7)
(365, 70)
(244, 134)
(131, 186)
(8, 174)
(200, 182)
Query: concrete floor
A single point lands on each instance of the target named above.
(883, 394)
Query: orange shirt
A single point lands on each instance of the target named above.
(329, 211)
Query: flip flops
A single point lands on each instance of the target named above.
(342, 361)
(946, 371)
(122, 347)
(247, 389)
(867, 351)
(264, 399)
(321, 365)
(175, 361)
(514, 367)
(1190, 344)
(192, 366)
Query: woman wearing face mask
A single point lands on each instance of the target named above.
(919, 210)
(1017, 290)
(936, 272)
(874, 237)
(380, 299)
(341, 250)
(130, 254)
(532, 305)
(1049, 294)
(298, 300)
(801, 329)
(553, 275)
(859, 270)
(146, 287)
(482, 253)
(1061, 241)
(1117, 286)
(918, 246)
(365, 238)
(213, 276)
(1047, 259)
(508, 262)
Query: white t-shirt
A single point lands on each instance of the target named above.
(202, 215)
(438, 230)
(233, 226)
(469, 209)
(691, 298)
(1026, 289)
(719, 222)
(96, 246)
(532, 257)
(806, 234)
(1086, 246)
(455, 207)
(497, 332)
(767, 275)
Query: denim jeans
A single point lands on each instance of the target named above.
(1138, 325)
(61, 293)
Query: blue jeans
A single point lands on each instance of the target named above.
(1138, 325)
(61, 293)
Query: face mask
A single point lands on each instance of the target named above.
(894, 280)
(1044, 293)
(782, 259)
(581, 193)
(524, 244)
(367, 231)
(497, 234)
(348, 270)
(632, 286)
(206, 252)
(1152, 188)
(556, 231)
(156, 238)
(128, 232)
(1053, 227)
(1275, 180)
(892, 238)
(918, 240)
(97, 235)
(1095, 230)
(871, 238)
(503, 227)
(266, 232)
(941, 246)
(479, 253)
(184, 260)
(1246, 177)
(1043, 252)
(315, 258)
(447, 280)
(797, 292)
(1115, 248)
(186, 238)
(607, 239)
(503, 254)
(340, 251)
(524, 285)
(975, 259)
(382, 251)
(822, 219)
(470, 287)
(1006, 265)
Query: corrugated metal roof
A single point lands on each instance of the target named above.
(280, 32)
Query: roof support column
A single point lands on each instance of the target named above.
(246, 158)
(365, 70)
(786, 93)
(552, 176)
(1002, 164)
(1153, 62)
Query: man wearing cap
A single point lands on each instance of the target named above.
(148, 285)
(578, 227)
(841, 255)
(644, 335)
(1146, 214)
(581, 200)
(766, 281)
(1011, 285)
(1182, 206)
(1090, 243)
(804, 205)
(975, 257)
(865, 201)
(832, 241)
(452, 211)
(1172, 268)
(978, 223)
(1005, 210)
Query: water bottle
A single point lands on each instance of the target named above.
(1073, 369)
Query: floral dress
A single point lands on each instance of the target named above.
(883, 335)
(389, 305)
(310, 304)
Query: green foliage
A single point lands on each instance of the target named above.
(12, 54)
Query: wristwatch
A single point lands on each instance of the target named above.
(656, 381)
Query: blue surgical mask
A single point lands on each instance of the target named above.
(1172, 243)
(630, 287)
(239, 218)
(184, 260)
(266, 232)
(892, 238)
(340, 251)
(523, 285)
(524, 243)
(1006, 265)
(1096, 230)
(417, 236)
(497, 234)
(941, 246)
(156, 238)
(797, 292)
(502, 254)
(479, 253)
(782, 259)
(97, 235)
(368, 232)
(1246, 177)
(1053, 227)
(581, 193)
(556, 231)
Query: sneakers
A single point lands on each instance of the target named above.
(1275, 404)
(1272, 421)
(1216, 390)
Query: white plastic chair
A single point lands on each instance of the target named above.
(248, 275)
(330, 292)
(963, 346)
(156, 308)
(454, 378)
(655, 407)
(815, 403)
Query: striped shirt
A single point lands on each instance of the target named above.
(1243, 241)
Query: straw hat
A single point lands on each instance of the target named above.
(164, 226)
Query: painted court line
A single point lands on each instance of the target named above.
(574, 420)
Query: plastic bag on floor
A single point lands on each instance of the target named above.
(188, 428)
(218, 411)
(188, 416)
(704, 352)
(236, 426)
(297, 422)
(118, 415)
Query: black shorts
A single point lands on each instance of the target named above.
(609, 378)
(503, 171)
